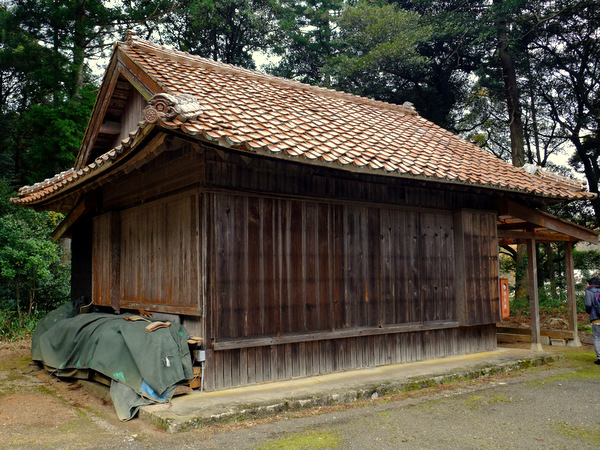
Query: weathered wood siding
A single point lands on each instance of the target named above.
(133, 113)
(159, 256)
(257, 364)
(81, 259)
(286, 266)
(305, 269)
(477, 270)
(101, 260)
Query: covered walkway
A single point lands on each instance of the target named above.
(518, 224)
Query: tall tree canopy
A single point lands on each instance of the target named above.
(224, 30)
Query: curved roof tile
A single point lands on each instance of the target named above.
(269, 115)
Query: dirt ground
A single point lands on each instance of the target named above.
(550, 321)
(39, 410)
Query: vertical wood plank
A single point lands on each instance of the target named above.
(534, 306)
(115, 261)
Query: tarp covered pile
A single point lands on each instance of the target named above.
(144, 367)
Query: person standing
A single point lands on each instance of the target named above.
(591, 290)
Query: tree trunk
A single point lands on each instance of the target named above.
(79, 45)
(511, 91)
(17, 299)
(591, 171)
(521, 275)
(550, 268)
(31, 300)
(517, 148)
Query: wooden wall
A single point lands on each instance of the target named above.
(286, 266)
(103, 260)
(158, 256)
(131, 116)
(290, 270)
(302, 287)
(241, 366)
(477, 269)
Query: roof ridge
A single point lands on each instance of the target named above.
(173, 54)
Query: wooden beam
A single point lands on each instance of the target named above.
(561, 334)
(549, 221)
(534, 305)
(112, 128)
(98, 113)
(327, 335)
(170, 309)
(79, 210)
(539, 236)
(572, 307)
(137, 77)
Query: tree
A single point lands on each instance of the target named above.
(223, 30)
(305, 39)
(378, 53)
(567, 52)
(30, 264)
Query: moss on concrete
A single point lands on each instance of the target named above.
(308, 440)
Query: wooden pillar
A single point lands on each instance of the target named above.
(460, 266)
(115, 261)
(534, 305)
(572, 307)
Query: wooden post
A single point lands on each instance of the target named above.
(115, 261)
(459, 267)
(570, 273)
(534, 305)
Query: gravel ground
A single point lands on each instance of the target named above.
(548, 407)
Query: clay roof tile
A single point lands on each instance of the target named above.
(243, 108)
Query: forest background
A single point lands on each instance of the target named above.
(519, 78)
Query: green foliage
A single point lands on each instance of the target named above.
(305, 39)
(586, 259)
(13, 327)
(519, 305)
(223, 30)
(551, 301)
(60, 127)
(33, 278)
(378, 52)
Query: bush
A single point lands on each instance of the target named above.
(34, 277)
(13, 327)
(553, 303)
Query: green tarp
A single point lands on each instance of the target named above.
(149, 364)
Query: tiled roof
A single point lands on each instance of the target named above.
(275, 117)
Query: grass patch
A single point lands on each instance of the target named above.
(500, 399)
(476, 401)
(581, 356)
(584, 328)
(73, 426)
(317, 439)
(590, 372)
(580, 364)
(45, 390)
(19, 363)
(583, 434)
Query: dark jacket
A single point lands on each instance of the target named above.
(590, 294)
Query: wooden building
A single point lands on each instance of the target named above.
(297, 230)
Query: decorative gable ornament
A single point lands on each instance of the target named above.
(170, 107)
